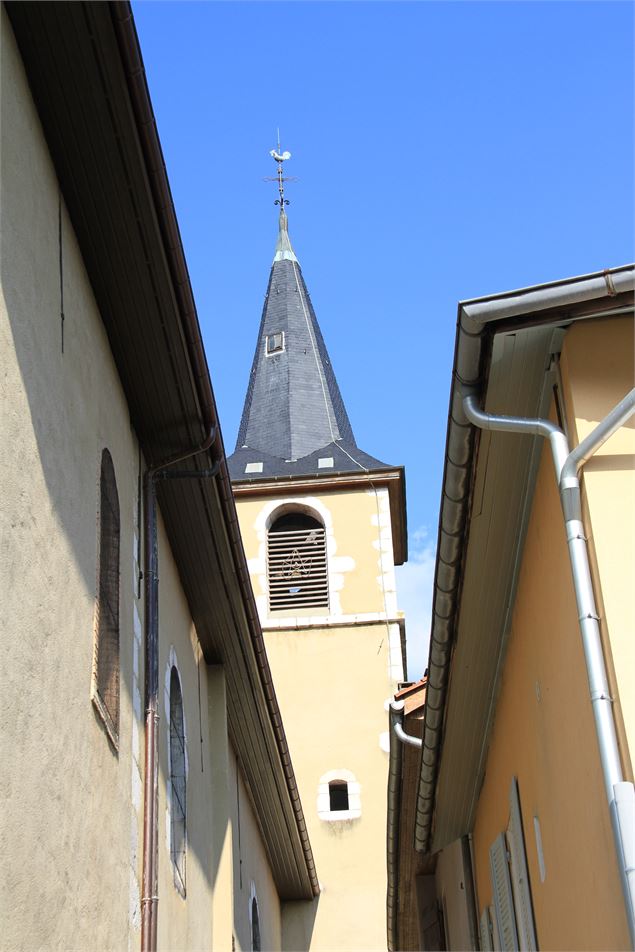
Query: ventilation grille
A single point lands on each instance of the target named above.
(296, 563)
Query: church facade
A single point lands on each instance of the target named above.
(323, 524)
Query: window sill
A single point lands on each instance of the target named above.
(337, 816)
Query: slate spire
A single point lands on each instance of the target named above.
(294, 420)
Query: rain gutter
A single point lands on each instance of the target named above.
(478, 320)
(122, 18)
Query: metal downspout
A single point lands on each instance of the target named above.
(395, 762)
(150, 884)
(620, 794)
(392, 827)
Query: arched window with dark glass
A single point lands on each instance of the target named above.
(255, 925)
(106, 664)
(296, 563)
(178, 782)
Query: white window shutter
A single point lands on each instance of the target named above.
(520, 874)
(503, 898)
(484, 931)
(494, 929)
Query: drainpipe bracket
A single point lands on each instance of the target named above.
(601, 696)
(575, 531)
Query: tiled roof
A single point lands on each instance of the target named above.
(294, 420)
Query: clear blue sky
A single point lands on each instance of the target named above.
(444, 150)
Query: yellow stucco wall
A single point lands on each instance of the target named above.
(71, 822)
(333, 674)
(331, 686)
(68, 809)
(598, 367)
(252, 875)
(544, 731)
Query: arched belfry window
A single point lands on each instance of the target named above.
(106, 661)
(178, 782)
(296, 563)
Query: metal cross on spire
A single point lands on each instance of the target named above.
(280, 157)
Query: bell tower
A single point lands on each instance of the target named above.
(323, 526)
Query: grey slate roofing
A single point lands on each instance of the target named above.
(294, 420)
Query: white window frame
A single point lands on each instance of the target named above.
(253, 898)
(324, 799)
(179, 878)
(278, 350)
(519, 873)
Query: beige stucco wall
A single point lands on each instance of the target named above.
(544, 732)
(598, 367)
(333, 674)
(331, 686)
(189, 922)
(252, 874)
(72, 805)
(67, 796)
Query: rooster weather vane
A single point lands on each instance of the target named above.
(279, 158)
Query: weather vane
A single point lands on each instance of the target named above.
(280, 157)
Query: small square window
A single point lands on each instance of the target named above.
(275, 343)
(338, 795)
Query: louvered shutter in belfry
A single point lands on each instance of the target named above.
(485, 933)
(503, 898)
(520, 874)
(297, 568)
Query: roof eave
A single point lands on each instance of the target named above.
(560, 303)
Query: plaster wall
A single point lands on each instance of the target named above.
(71, 821)
(251, 872)
(68, 824)
(333, 674)
(331, 686)
(598, 369)
(191, 921)
(544, 735)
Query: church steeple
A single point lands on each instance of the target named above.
(294, 420)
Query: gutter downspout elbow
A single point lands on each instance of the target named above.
(406, 738)
(513, 424)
